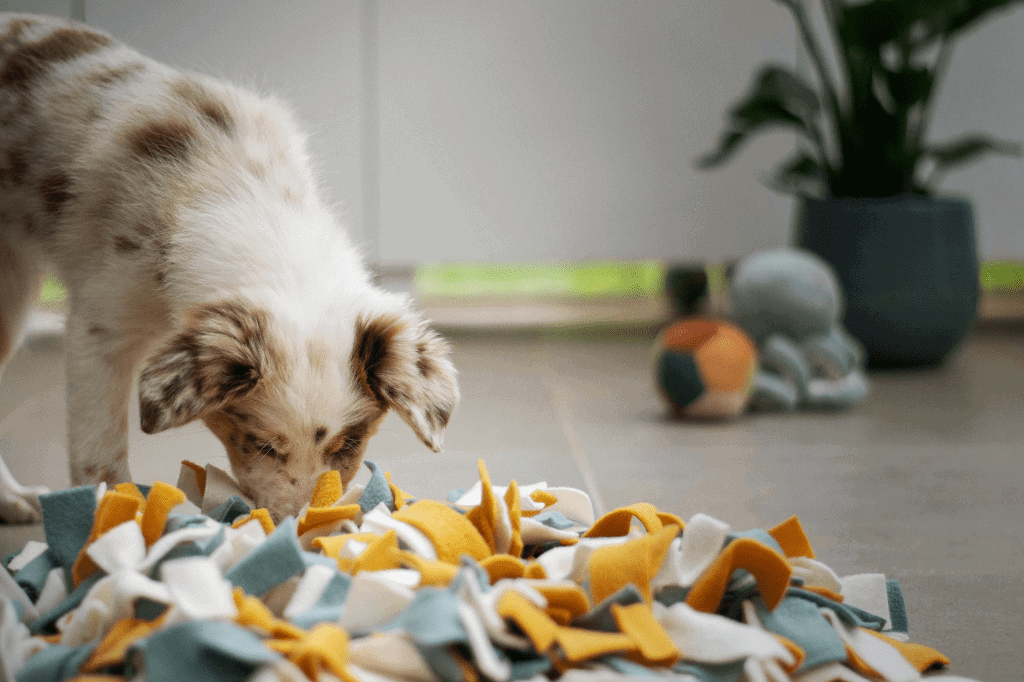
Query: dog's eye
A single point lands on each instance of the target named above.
(259, 448)
(346, 450)
(349, 447)
(270, 451)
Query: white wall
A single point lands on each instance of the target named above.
(984, 91)
(567, 130)
(496, 130)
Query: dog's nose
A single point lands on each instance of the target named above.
(280, 509)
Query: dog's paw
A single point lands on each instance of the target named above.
(19, 503)
(22, 507)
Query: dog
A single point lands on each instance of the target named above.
(182, 215)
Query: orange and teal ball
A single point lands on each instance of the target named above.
(705, 368)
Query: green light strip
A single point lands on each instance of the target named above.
(636, 279)
(53, 292)
(1002, 275)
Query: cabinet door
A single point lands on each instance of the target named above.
(55, 8)
(306, 52)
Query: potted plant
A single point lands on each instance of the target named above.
(867, 173)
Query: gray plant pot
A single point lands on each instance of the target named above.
(909, 269)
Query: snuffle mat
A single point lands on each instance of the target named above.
(495, 583)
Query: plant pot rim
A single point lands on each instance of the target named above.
(901, 199)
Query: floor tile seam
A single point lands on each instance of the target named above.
(576, 449)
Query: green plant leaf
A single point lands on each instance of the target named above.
(909, 86)
(757, 118)
(968, 148)
(799, 174)
(969, 12)
(869, 25)
(877, 22)
(775, 81)
(778, 97)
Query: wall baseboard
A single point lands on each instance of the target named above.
(1001, 307)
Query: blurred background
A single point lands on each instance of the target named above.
(527, 171)
(546, 133)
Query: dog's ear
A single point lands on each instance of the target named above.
(220, 356)
(405, 366)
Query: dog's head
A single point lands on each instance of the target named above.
(289, 406)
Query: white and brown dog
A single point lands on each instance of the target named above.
(184, 219)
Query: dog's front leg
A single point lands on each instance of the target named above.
(100, 372)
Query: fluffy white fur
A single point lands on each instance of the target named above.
(183, 216)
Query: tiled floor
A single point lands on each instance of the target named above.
(924, 483)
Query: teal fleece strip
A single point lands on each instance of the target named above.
(705, 672)
(55, 663)
(33, 575)
(800, 621)
(897, 607)
(330, 604)
(67, 521)
(45, 622)
(277, 559)
(377, 490)
(204, 651)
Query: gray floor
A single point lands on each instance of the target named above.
(924, 483)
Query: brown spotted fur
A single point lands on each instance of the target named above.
(184, 218)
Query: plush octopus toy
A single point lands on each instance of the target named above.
(791, 303)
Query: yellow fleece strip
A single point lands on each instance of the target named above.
(514, 516)
(770, 569)
(541, 497)
(322, 649)
(261, 515)
(579, 644)
(616, 523)
(254, 613)
(433, 573)
(133, 490)
(638, 622)
(379, 555)
(162, 499)
(568, 597)
(328, 489)
(535, 571)
(113, 649)
(918, 655)
(791, 537)
(400, 495)
(451, 533)
(322, 516)
(637, 562)
(499, 566)
(668, 519)
(113, 509)
(485, 515)
(331, 545)
(642, 637)
(534, 623)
